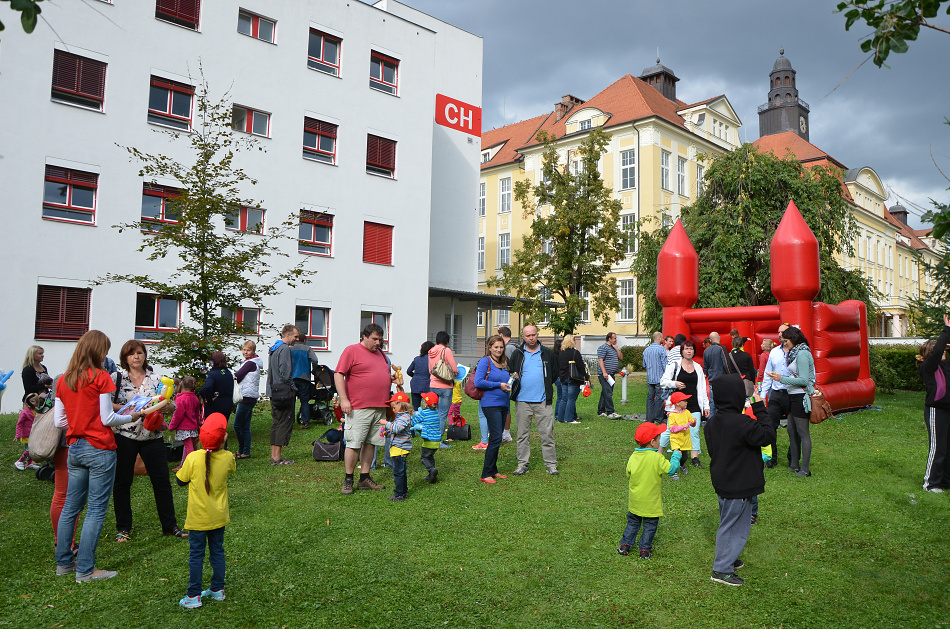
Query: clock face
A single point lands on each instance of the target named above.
(802, 124)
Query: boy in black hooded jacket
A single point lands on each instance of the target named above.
(734, 441)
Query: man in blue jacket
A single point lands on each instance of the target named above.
(654, 361)
(535, 367)
(304, 360)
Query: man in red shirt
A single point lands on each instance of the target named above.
(363, 381)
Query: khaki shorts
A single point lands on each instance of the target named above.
(362, 426)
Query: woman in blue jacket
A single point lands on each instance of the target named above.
(419, 374)
(491, 375)
(219, 387)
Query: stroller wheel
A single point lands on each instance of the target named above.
(328, 417)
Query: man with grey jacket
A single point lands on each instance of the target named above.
(282, 392)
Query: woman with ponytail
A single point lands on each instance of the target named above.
(205, 472)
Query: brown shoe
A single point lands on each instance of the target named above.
(369, 483)
(347, 487)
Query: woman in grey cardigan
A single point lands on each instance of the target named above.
(801, 384)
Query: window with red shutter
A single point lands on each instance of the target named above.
(315, 235)
(383, 73)
(61, 312)
(78, 80)
(319, 140)
(170, 103)
(380, 156)
(70, 195)
(182, 12)
(377, 243)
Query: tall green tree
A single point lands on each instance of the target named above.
(731, 224)
(895, 22)
(575, 239)
(214, 270)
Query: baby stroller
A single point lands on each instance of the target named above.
(321, 395)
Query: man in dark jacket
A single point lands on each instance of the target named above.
(734, 442)
(536, 369)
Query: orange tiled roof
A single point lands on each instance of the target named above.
(910, 234)
(803, 150)
(513, 136)
(625, 100)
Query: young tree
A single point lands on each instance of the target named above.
(731, 224)
(214, 270)
(574, 241)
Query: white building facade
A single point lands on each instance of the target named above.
(340, 95)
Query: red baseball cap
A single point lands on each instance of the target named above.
(647, 432)
(399, 397)
(678, 397)
(431, 399)
(213, 431)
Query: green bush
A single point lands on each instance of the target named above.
(631, 355)
(894, 367)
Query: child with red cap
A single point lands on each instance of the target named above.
(680, 421)
(427, 421)
(645, 469)
(205, 472)
(399, 430)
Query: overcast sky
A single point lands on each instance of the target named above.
(890, 119)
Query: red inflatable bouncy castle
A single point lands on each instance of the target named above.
(838, 334)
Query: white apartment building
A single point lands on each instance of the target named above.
(343, 96)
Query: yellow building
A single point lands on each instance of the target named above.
(653, 164)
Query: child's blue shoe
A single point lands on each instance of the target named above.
(213, 595)
(190, 602)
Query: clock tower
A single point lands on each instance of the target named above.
(785, 111)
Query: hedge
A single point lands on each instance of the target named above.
(894, 367)
(632, 355)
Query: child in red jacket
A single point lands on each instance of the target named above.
(187, 417)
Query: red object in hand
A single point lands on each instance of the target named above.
(153, 421)
(586, 390)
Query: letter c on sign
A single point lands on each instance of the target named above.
(451, 117)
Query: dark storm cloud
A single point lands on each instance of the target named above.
(888, 118)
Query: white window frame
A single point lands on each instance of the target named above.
(504, 195)
(504, 249)
(628, 169)
(628, 224)
(628, 300)
(665, 170)
(700, 173)
(681, 176)
(481, 253)
(503, 317)
(481, 198)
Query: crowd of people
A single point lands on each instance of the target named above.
(110, 435)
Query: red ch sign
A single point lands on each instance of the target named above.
(457, 115)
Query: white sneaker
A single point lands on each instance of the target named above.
(506, 436)
(20, 465)
(33, 466)
(933, 490)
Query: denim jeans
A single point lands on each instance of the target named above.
(482, 423)
(571, 391)
(634, 522)
(605, 405)
(445, 403)
(242, 426)
(399, 475)
(559, 402)
(303, 394)
(91, 476)
(196, 559)
(654, 404)
(495, 419)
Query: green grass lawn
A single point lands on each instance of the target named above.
(859, 544)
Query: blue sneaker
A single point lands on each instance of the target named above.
(190, 602)
(213, 595)
(445, 446)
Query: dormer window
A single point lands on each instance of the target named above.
(486, 157)
(585, 124)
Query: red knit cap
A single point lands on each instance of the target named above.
(213, 431)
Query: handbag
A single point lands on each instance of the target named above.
(749, 385)
(44, 437)
(470, 389)
(820, 408)
(236, 395)
(326, 450)
(574, 372)
(442, 370)
(459, 433)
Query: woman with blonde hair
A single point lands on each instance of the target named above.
(573, 373)
(32, 368)
(83, 406)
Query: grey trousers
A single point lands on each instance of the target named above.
(544, 418)
(735, 522)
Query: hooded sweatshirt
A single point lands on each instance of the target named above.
(734, 441)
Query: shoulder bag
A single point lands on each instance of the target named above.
(749, 386)
(442, 370)
(44, 437)
(820, 408)
(236, 395)
(470, 389)
(574, 371)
